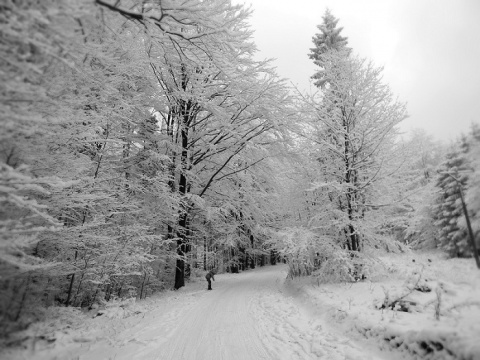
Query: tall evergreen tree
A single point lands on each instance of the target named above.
(454, 176)
(448, 210)
(472, 195)
(327, 39)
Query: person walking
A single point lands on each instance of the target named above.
(210, 277)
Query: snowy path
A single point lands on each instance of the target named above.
(220, 325)
(247, 316)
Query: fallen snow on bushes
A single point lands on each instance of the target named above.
(258, 314)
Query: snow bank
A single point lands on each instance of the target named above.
(443, 317)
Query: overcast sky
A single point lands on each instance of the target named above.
(430, 50)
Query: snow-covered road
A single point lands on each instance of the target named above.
(251, 315)
(221, 325)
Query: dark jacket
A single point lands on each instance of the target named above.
(210, 275)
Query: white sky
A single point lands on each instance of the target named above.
(430, 50)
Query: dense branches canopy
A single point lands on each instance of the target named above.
(136, 143)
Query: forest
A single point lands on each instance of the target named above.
(142, 143)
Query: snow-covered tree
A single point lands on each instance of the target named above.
(410, 218)
(472, 196)
(76, 99)
(355, 123)
(453, 178)
(473, 191)
(327, 39)
(218, 104)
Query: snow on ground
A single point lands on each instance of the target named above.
(290, 330)
(259, 315)
(247, 316)
(416, 334)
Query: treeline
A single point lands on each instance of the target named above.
(137, 143)
(433, 184)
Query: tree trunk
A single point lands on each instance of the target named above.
(181, 252)
(23, 300)
(69, 296)
(252, 257)
(205, 253)
(470, 231)
(233, 262)
(182, 248)
(72, 279)
(273, 257)
(143, 284)
(350, 180)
